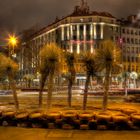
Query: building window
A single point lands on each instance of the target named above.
(137, 68)
(90, 19)
(124, 67)
(74, 37)
(128, 59)
(133, 50)
(75, 48)
(88, 47)
(133, 68)
(136, 59)
(98, 29)
(95, 46)
(124, 59)
(128, 50)
(128, 40)
(123, 30)
(132, 59)
(81, 32)
(137, 51)
(111, 28)
(117, 29)
(117, 38)
(112, 38)
(74, 27)
(88, 32)
(127, 31)
(65, 33)
(124, 40)
(132, 40)
(136, 41)
(132, 32)
(81, 47)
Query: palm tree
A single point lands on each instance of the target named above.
(9, 68)
(108, 58)
(89, 64)
(50, 63)
(44, 74)
(70, 59)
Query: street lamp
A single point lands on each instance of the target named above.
(12, 42)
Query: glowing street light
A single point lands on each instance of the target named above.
(12, 41)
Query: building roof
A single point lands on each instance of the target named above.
(82, 10)
(131, 21)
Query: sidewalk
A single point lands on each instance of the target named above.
(9, 133)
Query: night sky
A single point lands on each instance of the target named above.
(16, 15)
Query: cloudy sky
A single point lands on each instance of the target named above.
(16, 15)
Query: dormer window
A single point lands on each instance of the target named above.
(81, 19)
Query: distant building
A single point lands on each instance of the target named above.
(130, 35)
(82, 31)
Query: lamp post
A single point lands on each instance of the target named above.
(12, 42)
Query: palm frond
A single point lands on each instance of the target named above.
(8, 66)
(50, 58)
(108, 55)
(88, 61)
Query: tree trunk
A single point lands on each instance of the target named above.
(91, 86)
(29, 83)
(69, 92)
(26, 81)
(13, 87)
(125, 87)
(42, 84)
(50, 90)
(71, 80)
(107, 83)
(86, 92)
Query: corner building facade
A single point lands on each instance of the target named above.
(78, 32)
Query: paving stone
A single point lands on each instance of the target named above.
(61, 133)
(14, 133)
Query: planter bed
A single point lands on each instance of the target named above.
(53, 120)
(8, 118)
(21, 118)
(136, 119)
(36, 119)
(72, 119)
(121, 121)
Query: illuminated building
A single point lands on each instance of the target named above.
(130, 34)
(82, 31)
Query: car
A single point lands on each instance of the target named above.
(5, 92)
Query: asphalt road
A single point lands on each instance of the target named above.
(59, 101)
(9, 133)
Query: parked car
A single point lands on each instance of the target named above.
(5, 92)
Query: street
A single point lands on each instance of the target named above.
(29, 100)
